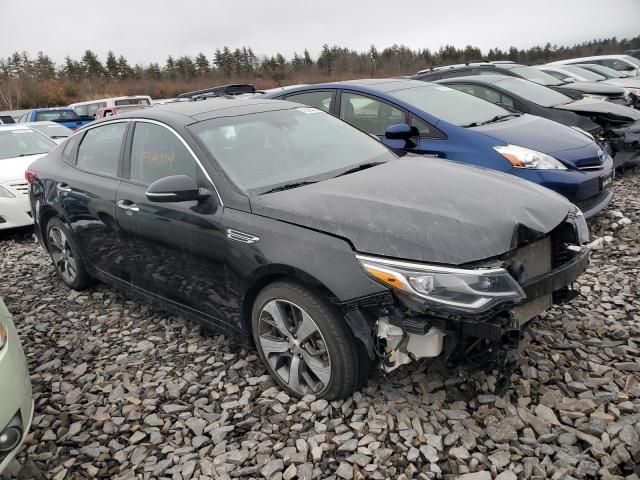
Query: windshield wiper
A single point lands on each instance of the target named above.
(29, 154)
(357, 168)
(497, 118)
(288, 186)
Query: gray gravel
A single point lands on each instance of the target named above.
(124, 391)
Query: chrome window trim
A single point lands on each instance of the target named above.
(195, 157)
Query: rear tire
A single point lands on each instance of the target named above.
(66, 255)
(305, 344)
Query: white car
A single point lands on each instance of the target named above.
(622, 63)
(19, 146)
(56, 132)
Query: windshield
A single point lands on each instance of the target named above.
(51, 115)
(630, 59)
(536, 75)
(23, 142)
(132, 101)
(264, 150)
(605, 71)
(536, 93)
(450, 105)
(53, 131)
(584, 73)
(89, 109)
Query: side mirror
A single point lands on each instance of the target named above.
(176, 188)
(401, 131)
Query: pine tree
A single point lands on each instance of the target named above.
(111, 65)
(202, 64)
(92, 65)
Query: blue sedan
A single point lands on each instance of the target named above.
(435, 120)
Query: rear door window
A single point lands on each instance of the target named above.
(485, 93)
(368, 114)
(321, 100)
(100, 149)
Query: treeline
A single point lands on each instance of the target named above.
(27, 82)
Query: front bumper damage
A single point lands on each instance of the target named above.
(625, 145)
(398, 329)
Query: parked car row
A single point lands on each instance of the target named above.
(343, 225)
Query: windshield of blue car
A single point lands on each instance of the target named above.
(534, 92)
(535, 75)
(450, 105)
(262, 151)
(52, 115)
(583, 73)
(23, 142)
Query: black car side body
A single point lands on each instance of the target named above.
(209, 258)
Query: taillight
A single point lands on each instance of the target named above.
(31, 176)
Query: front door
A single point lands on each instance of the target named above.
(176, 249)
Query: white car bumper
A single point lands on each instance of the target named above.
(15, 211)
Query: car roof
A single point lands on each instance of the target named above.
(381, 85)
(593, 57)
(193, 111)
(489, 79)
(43, 122)
(49, 109)
(481, 63)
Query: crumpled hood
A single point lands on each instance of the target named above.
(601, 106)
(420, 209)
(536, 133)
(13, 168)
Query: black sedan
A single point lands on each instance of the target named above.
(276, 221)
(615, 126)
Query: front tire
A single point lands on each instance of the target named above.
(305, 343)
(66, 255)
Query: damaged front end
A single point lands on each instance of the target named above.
(625, 143)
(470, 315)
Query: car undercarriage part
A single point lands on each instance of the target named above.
(402, 347)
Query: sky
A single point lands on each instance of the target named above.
(147, 31)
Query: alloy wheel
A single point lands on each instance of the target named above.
(294, 347)
(62, 254)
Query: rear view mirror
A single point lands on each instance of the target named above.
(401, 131)
(176, 188)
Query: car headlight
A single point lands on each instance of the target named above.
(521, 157)
(633, 91)
(469, 290)
(6, 193)
(3, 336)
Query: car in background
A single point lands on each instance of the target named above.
(62, 115)
(16, 407)
(622, 63)
(6, 119)
(218, 91)
(111, 111)
(634, 53)
(629, 82)
(615, 126)
(438, 121)
(575, 73)
(19, 146)
(90, 107)
(56, 132)
(277, 221)
(573, 89)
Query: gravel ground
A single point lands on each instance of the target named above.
(124, 391)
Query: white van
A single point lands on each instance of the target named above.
(621, 63)
(90, 107)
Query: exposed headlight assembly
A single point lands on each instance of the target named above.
(469, 290)
(521, 157)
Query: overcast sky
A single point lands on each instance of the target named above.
(148, 30)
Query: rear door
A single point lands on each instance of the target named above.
(87, 194)
(175, 250)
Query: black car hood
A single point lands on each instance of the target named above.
(421, 209)
(602, 107)
(593, 88)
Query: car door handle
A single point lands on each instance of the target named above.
(63, 187)
(126, 205)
